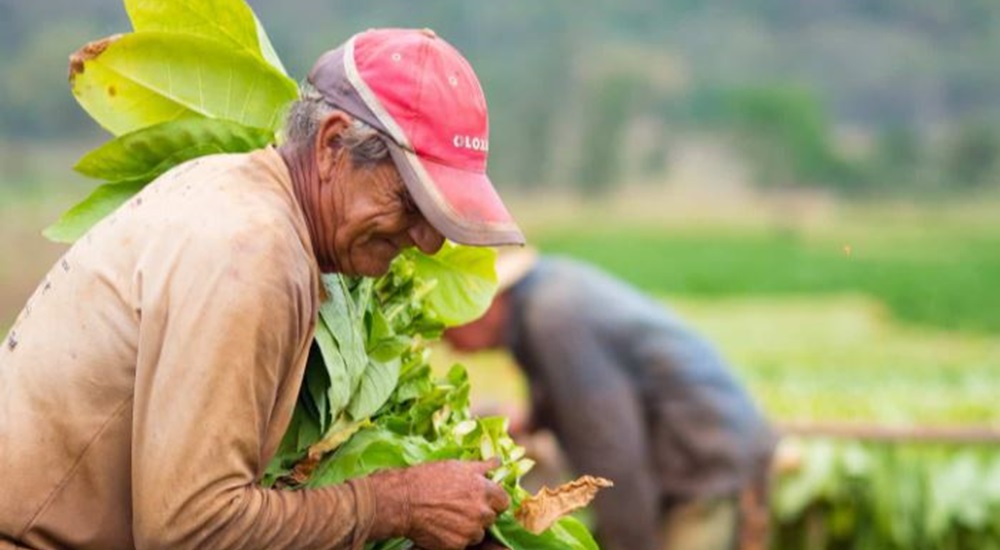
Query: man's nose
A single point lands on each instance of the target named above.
(425, 237)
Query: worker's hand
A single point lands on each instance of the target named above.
(440, 505)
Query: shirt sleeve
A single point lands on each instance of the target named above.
(225, 326)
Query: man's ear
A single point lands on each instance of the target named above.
(328, 141)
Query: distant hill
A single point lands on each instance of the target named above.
(873, 63)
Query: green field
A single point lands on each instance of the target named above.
(937, 273)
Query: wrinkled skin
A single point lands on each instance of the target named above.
(444, 505)
(359, 217)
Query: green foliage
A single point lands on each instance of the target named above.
(132, 160)
(398, 414)
(145, 78)
(786, 134)
(465, 282)
(973, 157)
(101, 202)
(898, 160)
(196, 78)
(145, 154)
(608, 110)
(889, 497)
(567, 531)
(841, 359)
(231, 22)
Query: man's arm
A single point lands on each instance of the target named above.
(223, 340)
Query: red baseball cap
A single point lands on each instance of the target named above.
(418, 90)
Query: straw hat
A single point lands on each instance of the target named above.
(513, 263)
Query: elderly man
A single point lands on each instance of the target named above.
(633, 395)
(150, 378)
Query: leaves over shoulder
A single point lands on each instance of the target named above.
(145, 78)
(79, 219)
(147, 153)
(231, 22)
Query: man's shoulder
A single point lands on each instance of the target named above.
(231, 207)
(221, 195)
(240, 179)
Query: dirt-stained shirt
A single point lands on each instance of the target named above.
(150, 377)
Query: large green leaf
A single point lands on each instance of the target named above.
(104, 200)
(146, 78)
(147, 153)
(343, 317)
(231, 22)
(339, 392)
(466, 281)
(370, 450)
(377, 384)
(317, 384)
(566, 534)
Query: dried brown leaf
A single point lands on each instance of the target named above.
(87, 52)
(538, 513)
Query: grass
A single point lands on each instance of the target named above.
(946, 276)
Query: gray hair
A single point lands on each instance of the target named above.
(366, 146)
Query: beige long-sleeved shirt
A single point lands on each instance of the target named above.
(151, 376)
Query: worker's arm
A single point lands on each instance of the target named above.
(223, 333)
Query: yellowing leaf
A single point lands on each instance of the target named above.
(538, 513)
(466, 281)
(145, 78)
(231, 22)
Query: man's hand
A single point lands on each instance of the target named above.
(439, 506)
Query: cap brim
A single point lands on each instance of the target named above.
(461, 204)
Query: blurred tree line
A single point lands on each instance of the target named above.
(856, 95)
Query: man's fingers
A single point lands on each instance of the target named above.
(477, 537)
(484, 466)
(488, 516)
(497, 497)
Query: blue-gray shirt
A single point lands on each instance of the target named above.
(629, 390)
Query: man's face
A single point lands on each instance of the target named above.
(375, 219)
